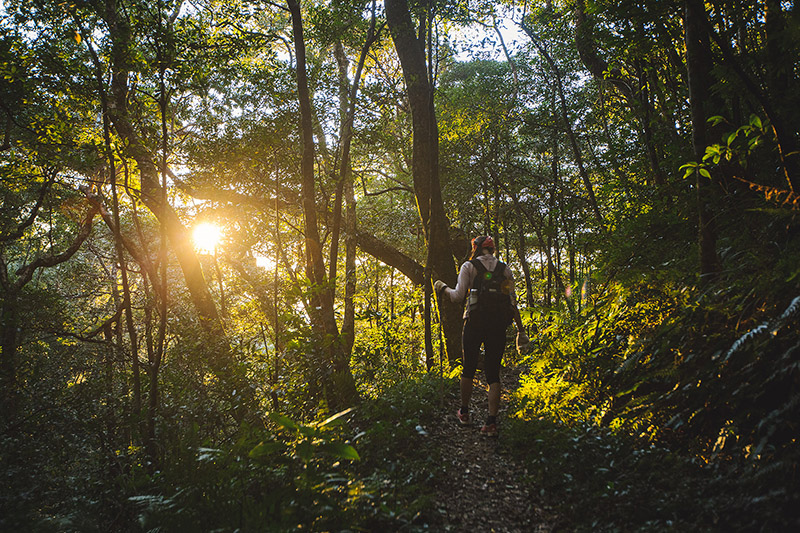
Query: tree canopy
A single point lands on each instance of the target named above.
(221, 223)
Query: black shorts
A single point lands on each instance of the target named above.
(493, 339)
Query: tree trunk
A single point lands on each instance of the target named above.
(425, 166)
(152, 193)
(781, 79)
(221, 359)
(786, 135)
(586, 46)
(567, 123)
(347, 109)
(9, 311)
(698, 65)
(522, 253)
(348, 321)
(339, 385)
(9, 328)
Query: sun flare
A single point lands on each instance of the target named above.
(267, 263)
(206, 237)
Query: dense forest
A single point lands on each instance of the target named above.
(221, 222)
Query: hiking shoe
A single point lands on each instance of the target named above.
(463, 419)
(489, 430)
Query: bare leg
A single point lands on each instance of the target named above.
(466, 391)
(494, 398)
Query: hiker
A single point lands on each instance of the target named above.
(491, 307)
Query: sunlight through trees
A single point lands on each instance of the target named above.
(220, 222)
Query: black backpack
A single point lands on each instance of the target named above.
(490, 299)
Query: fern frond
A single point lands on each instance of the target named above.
(772, 327)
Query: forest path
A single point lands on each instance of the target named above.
(482, 489)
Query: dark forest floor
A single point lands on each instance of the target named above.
(483, 489)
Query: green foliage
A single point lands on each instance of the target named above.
(388, 347)
(302, 475)
(582, 364)
(288, 476)
(398, 461)
(659, 401)
(599, 481)
(656, 364)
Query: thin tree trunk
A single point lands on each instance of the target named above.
(788, 149)
(410, 48)
(347, 103)
(340, 389)
(152, 195)
(117, 232)
(698, 65)
(348, 321)
(567, 123)
(522, 253)
(586, 46)
(9, 311)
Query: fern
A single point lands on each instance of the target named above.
(759, 330)
(792, 310)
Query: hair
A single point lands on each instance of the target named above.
(484, 242)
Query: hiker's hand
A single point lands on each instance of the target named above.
(439, 286)
(523, 343)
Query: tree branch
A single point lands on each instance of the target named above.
(25, 274)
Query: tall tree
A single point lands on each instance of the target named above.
(339, 384)
(698, 66)
(154, 196)
(410, 43)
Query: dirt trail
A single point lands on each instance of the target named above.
(482, 490)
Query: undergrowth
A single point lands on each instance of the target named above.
(668, 406)
(362, 470)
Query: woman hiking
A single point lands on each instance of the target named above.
(491, 307)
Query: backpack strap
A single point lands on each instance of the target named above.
(476, 283)
(479, 265)
(500, 267)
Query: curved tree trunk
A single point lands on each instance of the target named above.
(10, 319)
(586, 46)
(347, 109)
(425, 166)
(573, 139)
(220, 359)
(339, 385)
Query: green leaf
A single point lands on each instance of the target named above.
(284, 421)
(266, 448)
(341, 450)
(711, 151)
(704, 172)
(304, 450)
(309, 431)
(755, 121)
(335, 420)
(689, 169)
